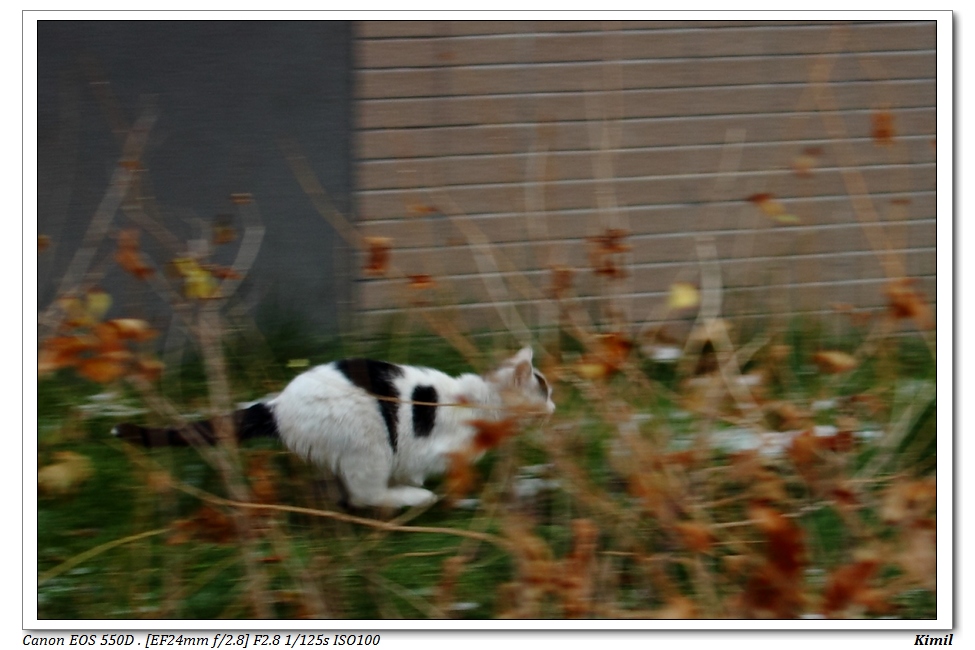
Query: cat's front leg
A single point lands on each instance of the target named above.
(407, 496)
(367, 481)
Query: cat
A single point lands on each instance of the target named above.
(379, 427)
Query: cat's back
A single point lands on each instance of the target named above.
(354, 402)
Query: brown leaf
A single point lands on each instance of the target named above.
(241, 198)
(772, 208)
(379, 254)
(151, 369)
(261, 478)
(224, 272)
(43, 242)
(846, 585)
(207, 524)
(804, 164)
(695, 536)
(491, 433)
(611, 241)
(834, 361)
(132, 329)
(785, 549)
(129, 257)
(421, 281)
(803, 451)
(561, 281)
(905, 301)
(223, 230)
(919, 557)
(102, 369)
(882, 127)
(420, 209)
(604, 251)
(606, 354)
(677, 608)
(459, 479)
(906, 502)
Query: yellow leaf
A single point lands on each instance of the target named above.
(97, 303)
(65, 475)
(683, 295)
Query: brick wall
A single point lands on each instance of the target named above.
(536, 136)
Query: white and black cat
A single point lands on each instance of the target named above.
(381, 428)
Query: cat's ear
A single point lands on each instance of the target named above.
(523, 373)
(524, 354)
(523, 366)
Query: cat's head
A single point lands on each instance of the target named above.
(521, 385)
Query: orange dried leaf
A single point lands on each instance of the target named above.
(378, 262)
(804, 164)
(77, 312)
(839, 442)
(907, 502)
(102, 370)
(225, 273)
(129, 257)
(421, 281)
(419, 209)
(610, 270)
(834, 361)
(803, 451)
(772, 208)
(223, 230)
(786, 549)
(491, 433)
(49, 361)
(561, 281)
(846, 585)
(882, 127)
(604, 250)
(611, 241)
(132, 329)
(905, 301)
(459, 479)
(695, 536)
(207, 524)
(677, 608)
(150, 368)
(241, 198)
(919, 557)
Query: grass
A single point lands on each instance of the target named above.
(316, 566)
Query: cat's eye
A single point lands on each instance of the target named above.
(542, 384)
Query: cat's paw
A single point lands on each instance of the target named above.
(401, 496)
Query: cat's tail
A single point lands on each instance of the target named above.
(256, 421)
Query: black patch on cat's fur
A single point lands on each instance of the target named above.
(424, 417)
(256, 421)
(376, 378)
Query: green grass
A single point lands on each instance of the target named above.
(360, 572)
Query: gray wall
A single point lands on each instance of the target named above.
(226, 92)
(542, 134)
